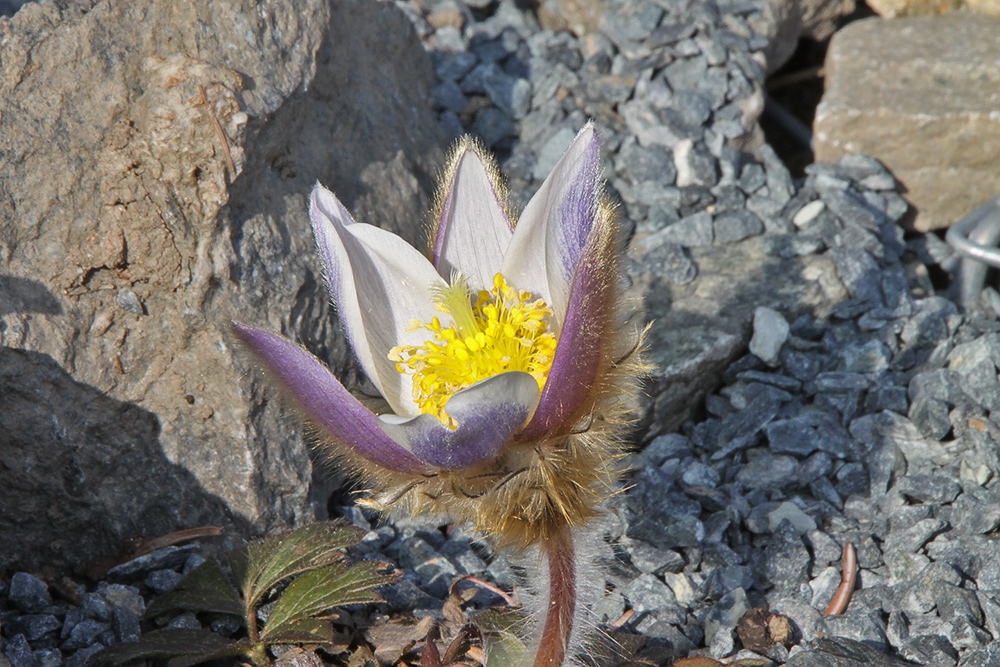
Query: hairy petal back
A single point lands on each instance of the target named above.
(473, 229)
(326, 401)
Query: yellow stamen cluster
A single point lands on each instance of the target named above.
(501, 330)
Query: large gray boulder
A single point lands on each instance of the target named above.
(155, 163)
(920, 95)
(703, 323)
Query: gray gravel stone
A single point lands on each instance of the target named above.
(48, 658)
(770, 331)
(127, 597)
(864, 627)
(405, 595)
(125, 625)
(916, 536)
(768, 472)
(722, 619)
(610, 607)
(648, 558)
(790, 512)
(663, 530)
(975, 516)
(699, 474)
(955, 603)
(492, 126)
(723, 580)
(929, 651)
(162, 581)
(32, 626)
(28, 593)
(84, 634)
(511, 94)
(18, 652)
(138, 568)
(695, 164)
(663, 447)
(630, 22)
(929, 488)
(448, 95)
(460, 553)
(733, 227)
(985, 657)
(551, 151)
(648, 593)
(653, 163)
(930, 416)
(452, 67)
(93, 605)
(691, 231)
(786, 561)
(686, 73)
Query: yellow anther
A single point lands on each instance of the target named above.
(489, 333)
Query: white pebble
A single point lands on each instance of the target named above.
(808, 213)
(770, 331)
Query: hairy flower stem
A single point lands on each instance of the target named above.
(562, 600)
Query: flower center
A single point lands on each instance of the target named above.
(498, 331)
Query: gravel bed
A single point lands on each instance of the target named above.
(871, 426)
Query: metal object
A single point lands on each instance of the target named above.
(975, 237)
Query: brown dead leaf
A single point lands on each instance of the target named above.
(468, 637)
(752, 630)
(391, 640)
(362, 657)
(430, 657)
(759, 629)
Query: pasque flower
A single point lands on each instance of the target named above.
(505, 356)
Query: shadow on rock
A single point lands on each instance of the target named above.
(82, 473)
(23, 295)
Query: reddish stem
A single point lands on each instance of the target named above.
(562, 600)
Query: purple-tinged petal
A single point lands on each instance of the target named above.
(380, 283)
(553, 229)
(326, 401)
(574, 369)
(488, 414)
(474, 230)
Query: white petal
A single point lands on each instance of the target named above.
(554, 227)
(474, 231)
(379, 283)
(489, 414)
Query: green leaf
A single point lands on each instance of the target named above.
(331, 586)
(206, 588)
(299, 631)
(274, 559)
(169, 643)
